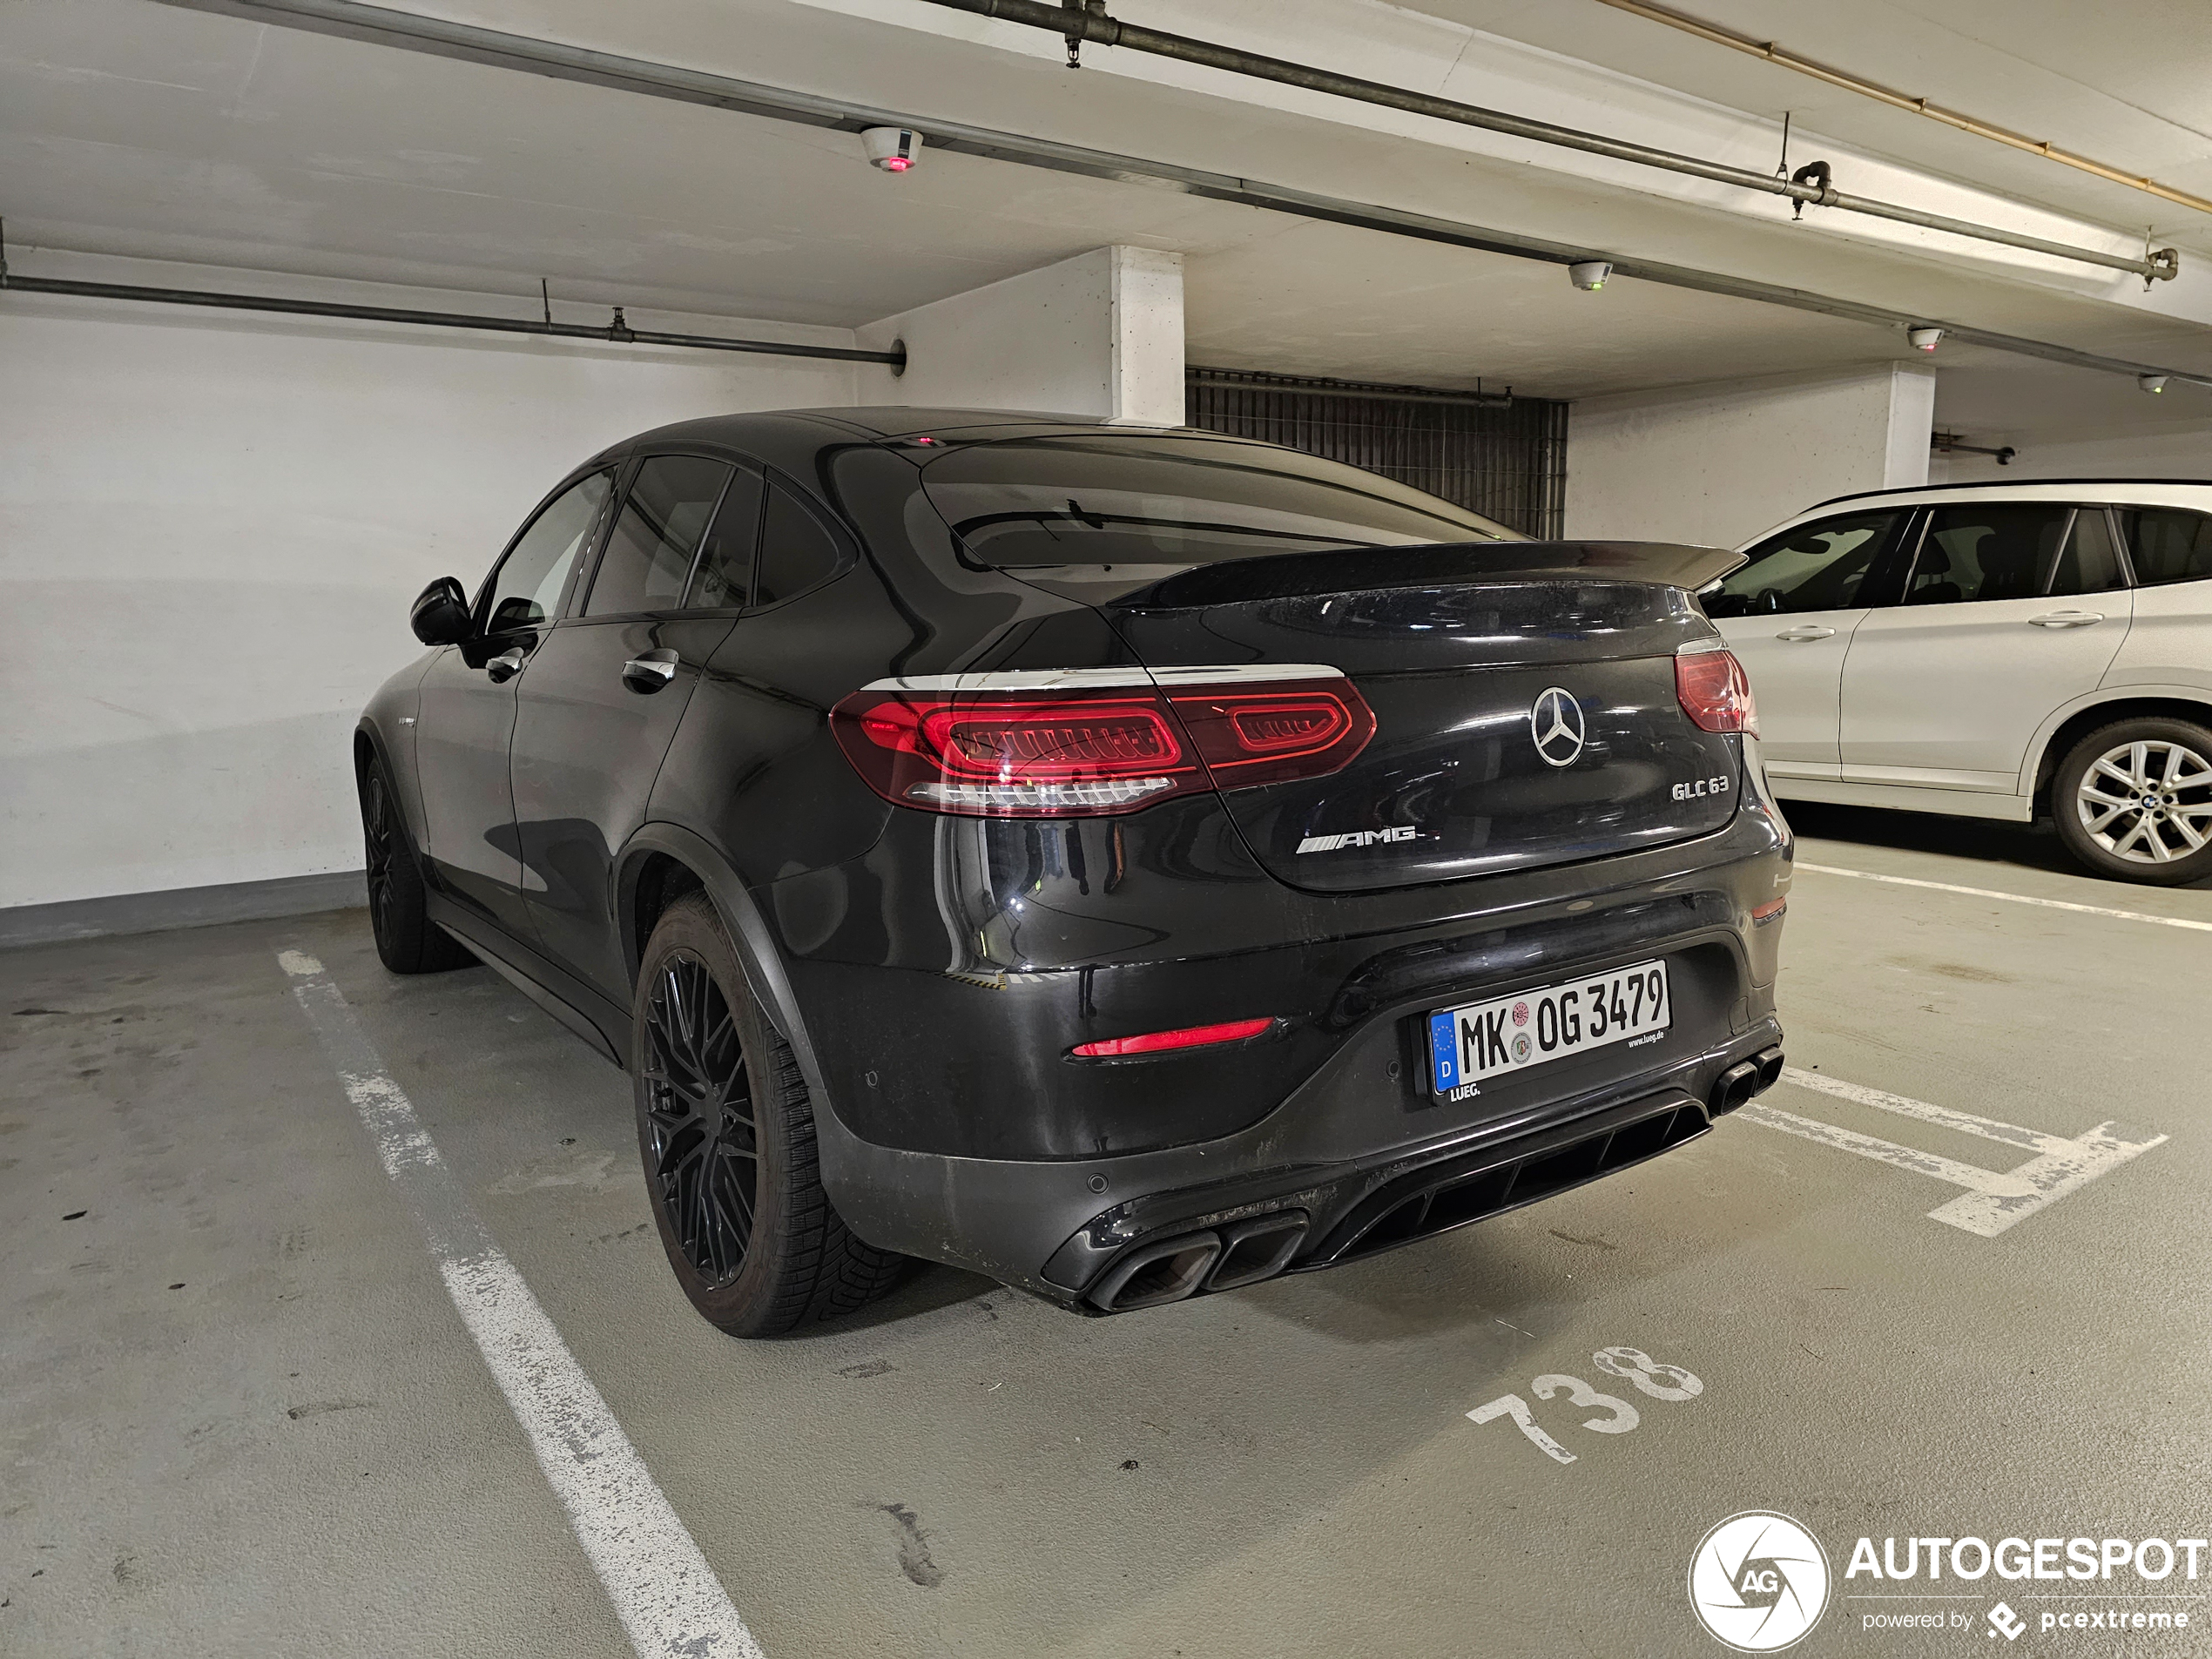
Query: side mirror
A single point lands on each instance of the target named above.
(441, 613)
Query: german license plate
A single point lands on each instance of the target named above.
(1530, 1027)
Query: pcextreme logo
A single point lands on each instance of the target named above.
(1758, 1582)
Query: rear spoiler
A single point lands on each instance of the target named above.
(1363, 569)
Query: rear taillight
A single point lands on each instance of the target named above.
(1250, 733)
(1032, 745)
(1714, 691)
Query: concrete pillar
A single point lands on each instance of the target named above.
(1717, 464)
(1100, 334)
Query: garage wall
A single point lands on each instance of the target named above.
(211, 526)
(1714, 465)
(2155, 455)
(2068, 423)
(1100, 334)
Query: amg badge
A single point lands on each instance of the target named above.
(1356, 838)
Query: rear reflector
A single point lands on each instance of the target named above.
(1767, 911)
(1192, 1036)
(1079, 751)
(1714, 691)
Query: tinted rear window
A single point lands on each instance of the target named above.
(1125, 499)
(1985, 550)
(648, 556)
(2169, 544)
(796, 552)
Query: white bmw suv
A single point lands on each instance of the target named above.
(1995, 651)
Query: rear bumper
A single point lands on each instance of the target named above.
(1235, 1211)
(957, 1130)
(1235, 1233)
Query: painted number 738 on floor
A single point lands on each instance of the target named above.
(1632, 1366)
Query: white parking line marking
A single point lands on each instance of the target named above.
(1993, 1200)
(2015, 898)
(1905, 1157)
(1966, 1123)
(664, 1593)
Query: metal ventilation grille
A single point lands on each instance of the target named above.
(1506, 460)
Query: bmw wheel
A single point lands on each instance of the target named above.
(727, 1133)
(2133, 801)
(408, 942)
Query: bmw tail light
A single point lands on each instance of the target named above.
(1714, 691)
(1043, 745)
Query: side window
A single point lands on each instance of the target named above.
(1985, 550)
(2167, 545)
(725, 577)
(1815, 567)
(796, 551)
(526, 589)
(2089, 563)
(648, 559)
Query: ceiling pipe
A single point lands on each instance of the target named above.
(1784, 58)
(1112, 31)
(556, 60)
(619, 330)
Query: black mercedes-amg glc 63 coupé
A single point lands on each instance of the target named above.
(1129, 863)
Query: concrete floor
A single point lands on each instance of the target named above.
(238, 1414)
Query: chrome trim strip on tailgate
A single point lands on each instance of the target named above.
(1083, 679)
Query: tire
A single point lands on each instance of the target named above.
(408, 942)
(2128, 799)
(753, 1237)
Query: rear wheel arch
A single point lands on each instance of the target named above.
(660, 864)
(2059, 741)
(677, 859)
(653, 882)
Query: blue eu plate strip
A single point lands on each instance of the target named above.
(1444, 1044)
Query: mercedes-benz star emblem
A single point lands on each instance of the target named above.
(1556, 721)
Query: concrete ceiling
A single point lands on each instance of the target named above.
(2124, 83)
(133, 128)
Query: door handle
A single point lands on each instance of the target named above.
(505, 666)
(2067, 618)
(1795, 635)
(649, 671)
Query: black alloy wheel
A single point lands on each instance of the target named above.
(408, 942)
(703, 1142)
(376, 836)
(726, 1125)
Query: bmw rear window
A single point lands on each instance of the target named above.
(1117, 499)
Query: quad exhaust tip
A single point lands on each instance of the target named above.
(1242, 1254)
(1258, 1249)
(1746, 1079)
(1735, 1086)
